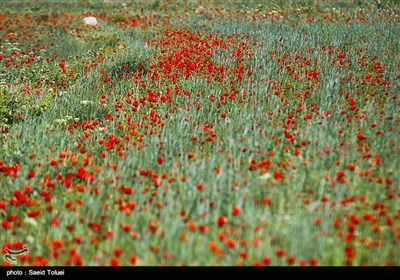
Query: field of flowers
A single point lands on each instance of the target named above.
(200, 132)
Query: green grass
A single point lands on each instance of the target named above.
(257, 116)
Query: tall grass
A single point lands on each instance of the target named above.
(268, 166)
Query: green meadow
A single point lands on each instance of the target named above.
(200, 133)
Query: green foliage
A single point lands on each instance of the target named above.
(99, 39)
(12, 107)
(43, 103)
(127, 63)
(118, 17)
(270, 143)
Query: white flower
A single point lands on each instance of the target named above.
(30, 239)
(90, 21)
(60, 121)
(266, 176)
(30, 221)
(85, 102)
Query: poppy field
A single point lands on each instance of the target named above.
(200, 133)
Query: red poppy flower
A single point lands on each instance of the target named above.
(235, 211)
(114, 262)
(191, 227)
(132, 259)
(290, 260)
(117, 252)
(267, 260)
(340, 173)
(230, 243)
(278, 175)
(33, 213)
(221, 221)
(6, 224)
(361, 136)
(313, 261)
(31, 174)
(280, 252)
(203, 229)
(242, 255)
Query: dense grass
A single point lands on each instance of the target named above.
(201, 133)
